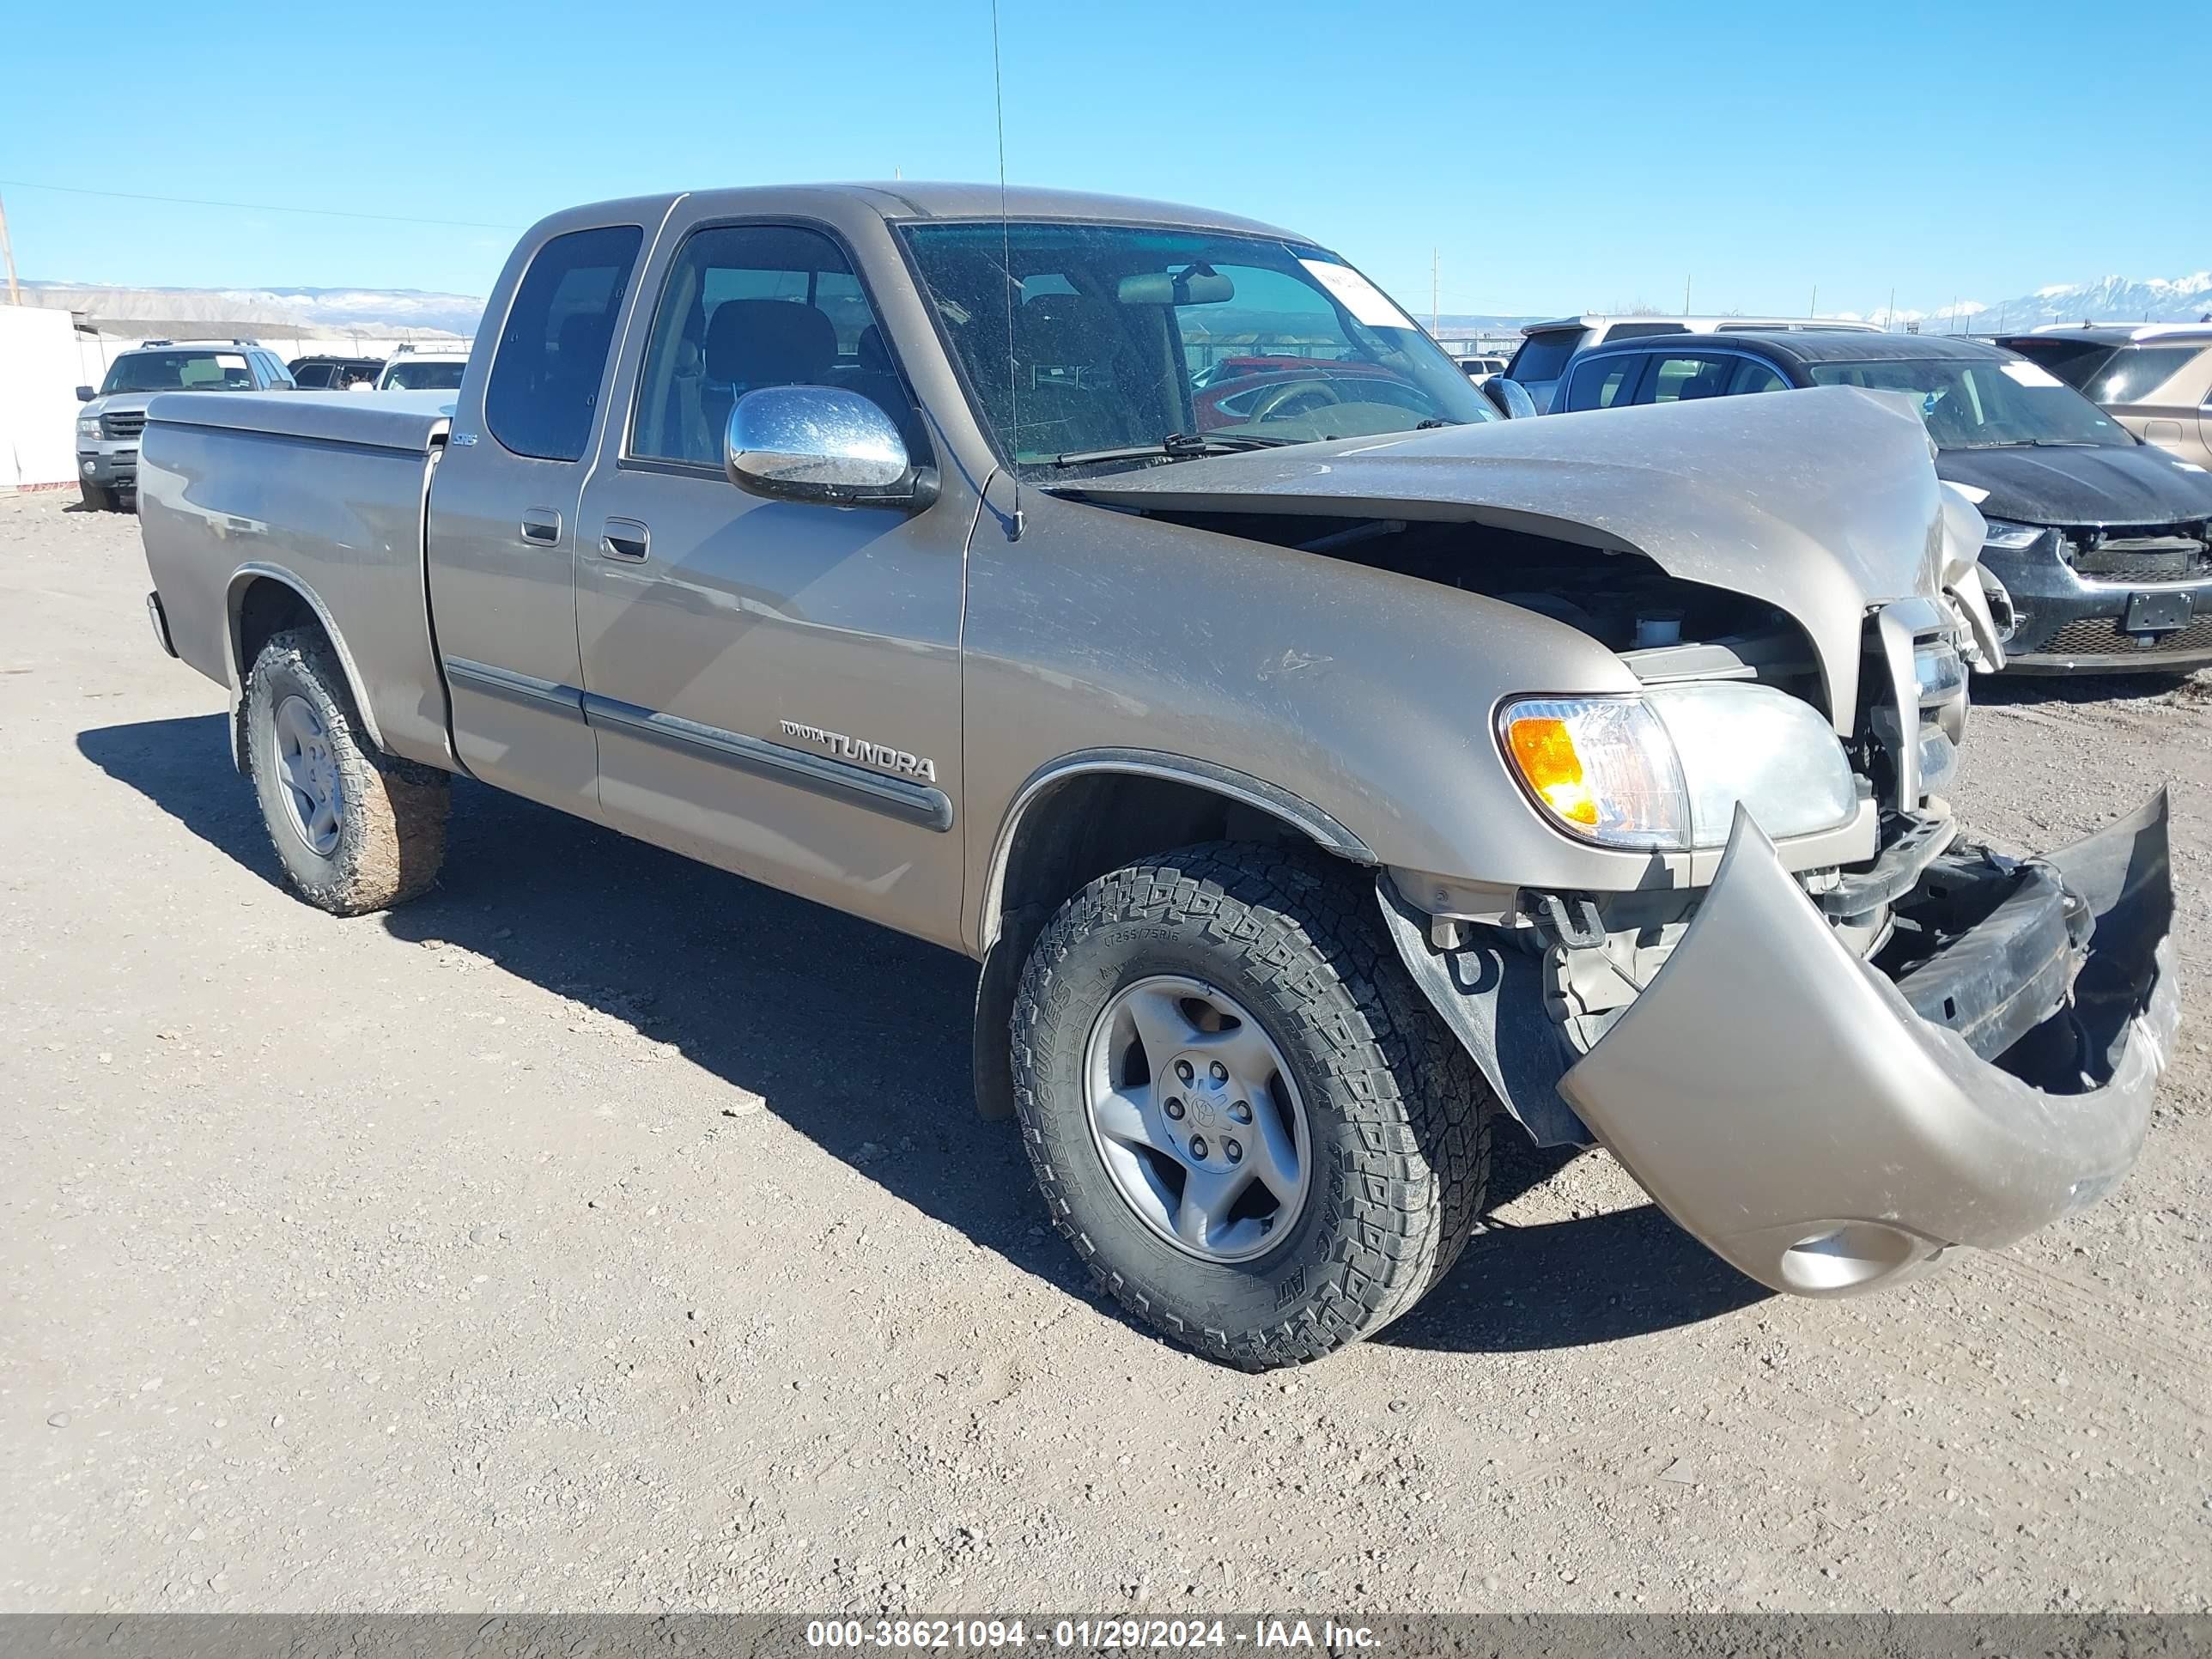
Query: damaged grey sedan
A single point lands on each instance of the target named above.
(1322, 770)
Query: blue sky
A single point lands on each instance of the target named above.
(1556, 157)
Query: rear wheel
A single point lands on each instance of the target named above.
(355, 830)
(1239, 1111)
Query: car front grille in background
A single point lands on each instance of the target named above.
(2142, 553)
(2100, 637)
(124, 422)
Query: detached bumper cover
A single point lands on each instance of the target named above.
(1783, 1102)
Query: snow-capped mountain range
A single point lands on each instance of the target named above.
(2108, 300)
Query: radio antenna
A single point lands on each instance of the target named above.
(1007, 271)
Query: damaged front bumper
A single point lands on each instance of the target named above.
(1828, 1123)
(1783, 1101)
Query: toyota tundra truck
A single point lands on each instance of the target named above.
(1317, 780)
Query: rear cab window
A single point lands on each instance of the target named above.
(543, 393)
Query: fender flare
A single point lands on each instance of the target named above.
(234, 597)
(1298, 813)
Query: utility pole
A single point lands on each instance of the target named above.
(1686, 296)
(1813, 310)
(1889, 319)
(8, 253)
(1436, 266)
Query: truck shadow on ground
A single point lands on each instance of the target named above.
(858, 1038)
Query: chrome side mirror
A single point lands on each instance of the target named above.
(1510, 398)
(816, 443)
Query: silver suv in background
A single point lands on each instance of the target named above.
(109, 425)
(1546, 347)
(2154, 378)
(435, 370)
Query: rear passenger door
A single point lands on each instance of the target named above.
(775, 685)
(503, 525)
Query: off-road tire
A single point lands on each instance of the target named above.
(1401, 1117)
(392, 836)
(99, 498)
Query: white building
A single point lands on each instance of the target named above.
(42, 363)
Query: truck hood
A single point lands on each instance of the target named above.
(2134, 485)
(1823, 504)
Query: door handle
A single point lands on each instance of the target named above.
(625, 539)
(541, 524)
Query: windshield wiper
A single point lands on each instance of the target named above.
(1175, 447)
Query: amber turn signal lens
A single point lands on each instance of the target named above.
(1544, 749)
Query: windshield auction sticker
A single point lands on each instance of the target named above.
(1367, 303)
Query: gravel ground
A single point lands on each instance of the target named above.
(577, 1239)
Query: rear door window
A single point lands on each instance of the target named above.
(1601, 382)
(543, 393)
(1685, 378)
(1751, 376)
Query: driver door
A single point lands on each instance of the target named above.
(775, 685)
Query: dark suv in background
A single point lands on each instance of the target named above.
(2103, 545)
(335, 374)
(1546, 347)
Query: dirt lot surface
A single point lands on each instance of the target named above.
(602, 1232)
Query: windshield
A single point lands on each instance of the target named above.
(1985, 404)
(423, 377)
(179, 371)
(1122, 338)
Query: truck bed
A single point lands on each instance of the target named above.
(323, 493)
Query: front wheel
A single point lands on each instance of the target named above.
(354, 828)
(98, 498)
(1239, 1111)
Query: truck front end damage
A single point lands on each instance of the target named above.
(1830, 1072)
(1721, 917)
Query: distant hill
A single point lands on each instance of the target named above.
(2108, 300)
(307, 311)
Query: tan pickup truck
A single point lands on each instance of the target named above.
(1319, 765)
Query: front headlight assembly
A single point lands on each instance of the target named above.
(1664, 771)
(88, 426)
(2009, 537)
